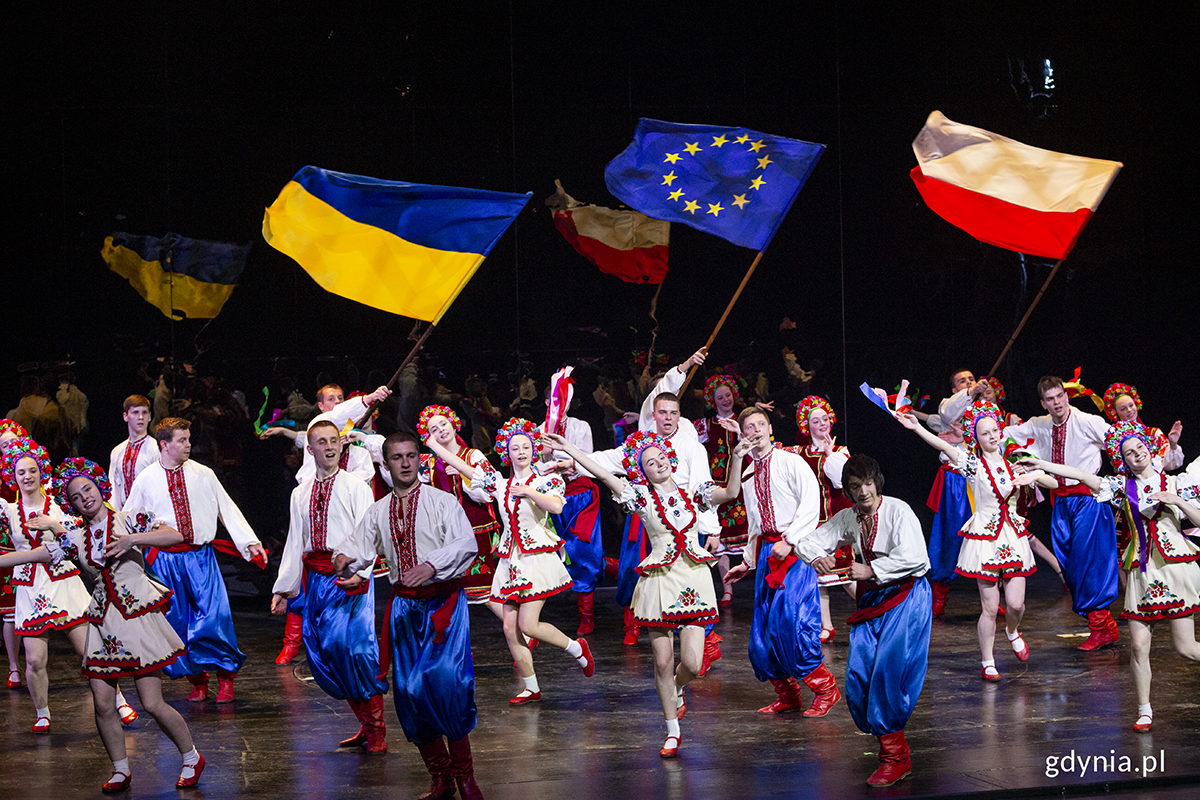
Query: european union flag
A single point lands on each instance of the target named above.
(732, 182)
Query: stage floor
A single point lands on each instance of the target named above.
(599, 737)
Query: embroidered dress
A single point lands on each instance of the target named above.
(528, 565)
(719, 444)
(478, 580)
(828, 469)
(48, 597)
(675, 586)
(995, 538)
(8, 593)
(1168, 587)
(128, 633)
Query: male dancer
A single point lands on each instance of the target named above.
(339, 626)
(1082, 531)
(188, 497)
(889, 640)
(133, 455)
(782, 500)
(427, 540)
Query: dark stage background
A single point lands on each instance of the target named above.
(186, 119)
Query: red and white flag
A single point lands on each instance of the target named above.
(1006, 193)
(621, 242)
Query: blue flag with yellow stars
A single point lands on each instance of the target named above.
(732, 182)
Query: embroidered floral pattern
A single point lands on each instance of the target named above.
(112, 646)
(688, 598)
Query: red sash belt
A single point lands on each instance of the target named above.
(151, 553)
(321, 562)
(776, 569)
(865, 613)
(440, 618)
(1078, 490)
(585, 522)
(935, 492)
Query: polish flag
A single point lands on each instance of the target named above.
(621, 242)
(1006, 193)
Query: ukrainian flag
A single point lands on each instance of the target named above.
(400, 247)
(177, 275)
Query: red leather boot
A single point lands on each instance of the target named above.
(225, 686)
(822, 682)
(291, 639)
(374, 725)
(940, 590)
(359, 738)
(894, 761)
(632, 628)
(587, 617)
(1103, 628)
(199, 687)
(712, 652)
(437, 761)
(789, 697)
(464, 770)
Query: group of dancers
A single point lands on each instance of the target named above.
(450, 531)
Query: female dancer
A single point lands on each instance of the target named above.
(815, 418)
(10, 431)
(528, 569)
(443, 424)
(47, 598)
(127, 634)
(720, 394)
(672, 592)
(1123, 404)
(994, 392)
(1162, 574)
(995, 549)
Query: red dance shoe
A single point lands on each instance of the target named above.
(589, 664)
(127, 713)
(726, 600)
(1142, 723)
(1020, 649)
(895, 762)
(524, 697)
(789, 697)
(990, 673)
(680, 704)
(822, 683)
(292, 637)
(41, 725)
(1103, 629)
(14, 679)
(827, 634)
(188, 781)
(115, 784)
(225, 686)
(671, 752)
(200, 687)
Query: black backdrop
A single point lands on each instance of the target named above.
(192, 119)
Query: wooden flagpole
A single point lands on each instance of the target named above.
(1021, 324)
(720, 322)
(396, 376)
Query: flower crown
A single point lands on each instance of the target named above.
(517, 427)
(12, 426)
(1116, 435)
(633, 448)
(72, 468)
(428, 413)
(1115, 391)
(20, 449)
(978, 410)
(997, 387)
(713, 383)
(807, 406)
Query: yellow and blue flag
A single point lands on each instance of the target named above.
(731, 182)
(177, 275)
(405, 248)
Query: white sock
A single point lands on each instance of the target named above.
(191, 758)
(44, 712)
(1144, 710)
(121, 766)
(574, 650)
(120, 699)
(673, 727)
(531, 684)
(988, 663)
(1012, 637)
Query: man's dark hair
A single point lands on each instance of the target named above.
(958, 372)
(396, 439)
(864, 469)
(748, 412)
(1047, 383)
(669, 397)
(165, 430)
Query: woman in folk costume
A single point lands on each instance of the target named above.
(995, 547)
(721, 395)
(994, 392)
(815, 418)
(48, 598)
(529, 568)
(127, 635)
(675, 589)
(1162, 573)
(443, 425)
(9, 432)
